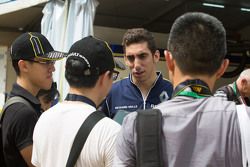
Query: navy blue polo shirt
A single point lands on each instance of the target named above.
(125, 95)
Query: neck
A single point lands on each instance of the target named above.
(146, 85)
(209, 80)
(89, 93)
(27, 86)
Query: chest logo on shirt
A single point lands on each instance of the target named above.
(164, 96)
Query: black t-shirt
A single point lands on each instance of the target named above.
(18, 125)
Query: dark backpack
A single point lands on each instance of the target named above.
(9, 102)
(149, 132)
(149, 140)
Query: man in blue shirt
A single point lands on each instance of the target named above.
(144, 88)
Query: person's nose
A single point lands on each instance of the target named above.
(137, 63)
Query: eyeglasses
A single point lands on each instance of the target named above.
(43, 62)
(115, 75)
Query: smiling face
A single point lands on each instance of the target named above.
(141, 61)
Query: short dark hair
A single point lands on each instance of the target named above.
(138, 35)
(16, 67)
(74, 74)
(197, 42)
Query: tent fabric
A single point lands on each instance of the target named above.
(63, 23)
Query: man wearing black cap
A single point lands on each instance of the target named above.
(33, 60)
(90, 73)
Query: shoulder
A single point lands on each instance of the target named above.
(166, 85)
(110, 124)
(163, 85)
(106, 129)
(121, 82)
(166, 82)
(120, 85)
(182, 105)
(21, 110)
(163, 81)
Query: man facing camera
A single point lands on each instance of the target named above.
(144, 87)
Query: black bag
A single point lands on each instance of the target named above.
(149, 140)
(9, 102)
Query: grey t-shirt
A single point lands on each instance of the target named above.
(197, 133)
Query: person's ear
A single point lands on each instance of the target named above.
(222, 68)
(244, 84)
(156, 56)
(23, 66)
(104, 78)
(169, 61)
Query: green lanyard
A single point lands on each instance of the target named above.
(198, 89)
(235, 88)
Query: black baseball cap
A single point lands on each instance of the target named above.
(32, 45)
(94, 53)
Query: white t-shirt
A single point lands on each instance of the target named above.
(56, 129)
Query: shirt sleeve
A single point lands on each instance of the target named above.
(125, 154)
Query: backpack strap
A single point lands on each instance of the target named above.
(149, 141)
(82, 136)
(12, 100)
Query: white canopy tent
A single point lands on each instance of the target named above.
(63, 23)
